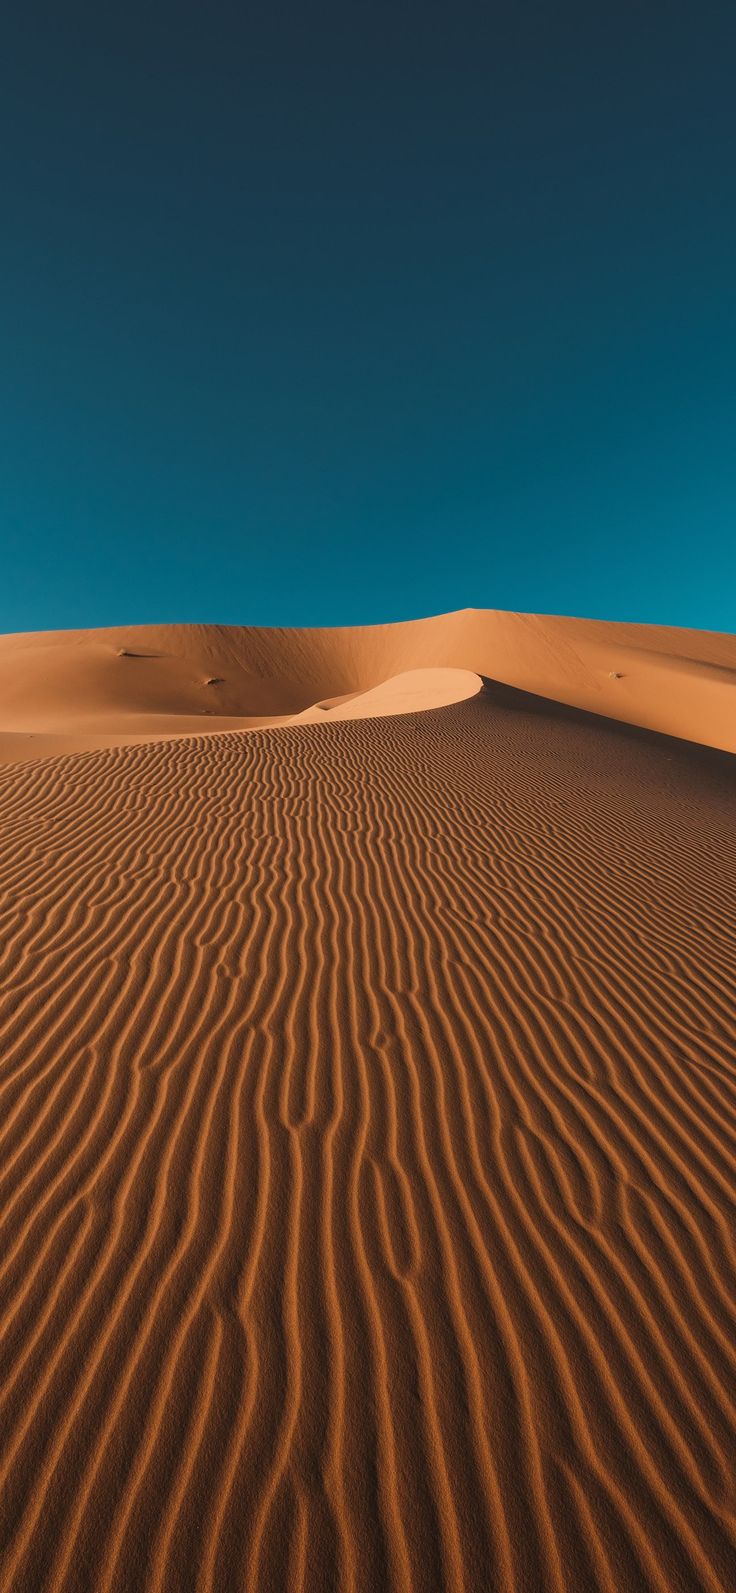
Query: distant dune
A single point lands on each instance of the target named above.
(73, 691)
(368, 1109)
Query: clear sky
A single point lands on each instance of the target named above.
(318, 314)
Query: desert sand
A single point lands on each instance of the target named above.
(75, 691)
(368, 1108)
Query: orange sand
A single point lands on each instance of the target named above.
(368, 1110)
(74, 691)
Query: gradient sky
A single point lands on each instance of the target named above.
(315, 314)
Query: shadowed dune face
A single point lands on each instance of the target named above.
(71, 691)
(368, 1115)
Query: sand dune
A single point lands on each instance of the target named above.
(69, 691)
(368, 1115)
(413, 691)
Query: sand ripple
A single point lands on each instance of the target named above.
(367, 1115)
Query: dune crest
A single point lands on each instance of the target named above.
(68, 691)
(413, 691)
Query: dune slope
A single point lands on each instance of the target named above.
(67, 691)
(368, 1113)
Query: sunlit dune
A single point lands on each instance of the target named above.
(73, 691)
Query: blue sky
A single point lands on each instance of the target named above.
(327, 314)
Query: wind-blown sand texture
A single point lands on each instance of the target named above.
(367, 1116)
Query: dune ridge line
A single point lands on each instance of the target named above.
(72, 691)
